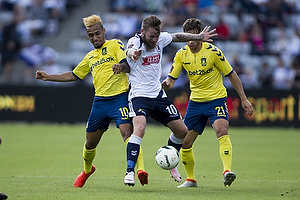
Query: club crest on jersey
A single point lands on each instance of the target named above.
(203, 61)
(104, 51)
(151, 60)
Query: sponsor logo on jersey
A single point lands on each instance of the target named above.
(101, 61)
(201, 71)
(151, 60)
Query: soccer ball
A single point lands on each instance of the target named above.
(167, 157)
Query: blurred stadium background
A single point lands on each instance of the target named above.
(260, 38)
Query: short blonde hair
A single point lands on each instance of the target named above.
(92, 20)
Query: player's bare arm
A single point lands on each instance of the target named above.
(121, 67)
(236, 83)
(204, 36)
(64, 77)
(168, 83)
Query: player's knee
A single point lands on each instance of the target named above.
(89, 144)
(181, 133)
(139, 130)
(125, 130)
(222, 131)
(184, 131)
(126, 135)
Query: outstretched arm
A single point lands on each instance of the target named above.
(64, 77)
(204, 36)
(236, 82)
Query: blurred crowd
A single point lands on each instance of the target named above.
(260, 38)
(22, 24)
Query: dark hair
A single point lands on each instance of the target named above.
(192, 24)
(152, 21)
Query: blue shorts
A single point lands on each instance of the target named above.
(105, 109)
(198, 113)
(161, 109)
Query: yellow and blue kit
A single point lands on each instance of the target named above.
(204, 70)
(110, 89)
(208, 94)
(99, 62)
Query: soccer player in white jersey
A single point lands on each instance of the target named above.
(146, 97)
(205, 64)
(111, 90)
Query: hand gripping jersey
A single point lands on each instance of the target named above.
(99, 62)
(145, 73)
(204, 70)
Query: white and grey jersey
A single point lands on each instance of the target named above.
(145, 73)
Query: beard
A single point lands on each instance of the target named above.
(149, 45)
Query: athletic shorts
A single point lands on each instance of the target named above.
(161, 109)
(198, 113)
(105, 109)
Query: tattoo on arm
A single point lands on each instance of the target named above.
(184, 37)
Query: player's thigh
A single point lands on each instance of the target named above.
(117, 109)
(195, 118)
(98, 118)
(165, 112)
(217, 109)
(140, 106)
(218, 116)
(221, 127)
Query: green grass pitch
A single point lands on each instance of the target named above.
(41, 161)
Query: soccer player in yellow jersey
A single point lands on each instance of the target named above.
(205, 64)
(111, 91)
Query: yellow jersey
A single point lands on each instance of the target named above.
(204, 70)
(99, 62)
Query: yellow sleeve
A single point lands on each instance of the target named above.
(82, 69)
(176, 66)
(120, 51)
(222, 63)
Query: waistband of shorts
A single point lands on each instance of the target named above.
(111, 97)
(219, 99)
